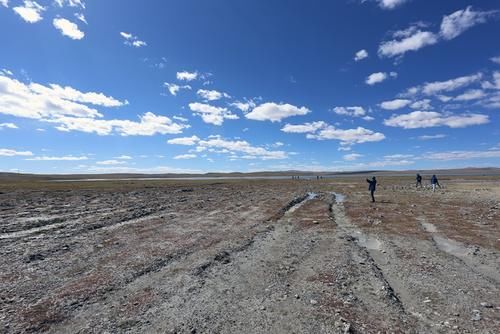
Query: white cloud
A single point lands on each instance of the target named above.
(5, 152)
(304, 128)
(350, 111)
(188, 141)
(68, 28)
(471, 94)
(4, 3)
(235, 147)
(411, 39)
(31, 12)
(179, 118)
(244, 106)
(430, 137)
(132, 40)
(347, 137)
(71, 3)
(352, 157)
(62, 158)
(390, 4)
(211, 95)
(185, 156)
(149, 125)
(375, 78)
(8, 126)
(41, 102)
(81, 17)
(124, 157)
(424, 104)
(187, 76)
(360, 55)
(275, 112)
(174, 88)
(211, 114)
(496, 60)
(456, 23)
(437, 87)
(495, 84)
(395, 104)
(111, 162)
(427, 119)
(463, 155)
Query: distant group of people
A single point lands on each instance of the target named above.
(434, 182)
(372, 184)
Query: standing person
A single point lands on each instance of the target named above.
(419, 181)
(435, 182)
(372, 187)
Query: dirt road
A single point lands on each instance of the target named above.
(250, 257)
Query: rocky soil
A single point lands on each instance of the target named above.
(301, 256)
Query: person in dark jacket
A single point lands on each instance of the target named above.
(419, 181)
(435, 182)
(372, 187)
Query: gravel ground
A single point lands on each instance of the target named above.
(250, 257)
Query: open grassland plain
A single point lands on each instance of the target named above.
(250, 256)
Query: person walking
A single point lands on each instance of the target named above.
(419, 181)
(435, 182)
(372, 187)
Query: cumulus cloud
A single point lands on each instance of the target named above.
(494, 84)
(275, 112)
(6, 152)
(211, 95)
(61, 158)
(81, 17)
(360, 55)
(40, 102)
(427, 119)
(187, 76)
(352, 157)
(211, 114)
(185, 156)
(347, 137)
(375, 78)
(174, 88)
(471, 94)
(350, 111)
(496, 60)
(390, 4)
(68, 28)
(149, 125)
(111, 162)
(430, 137)
(304, 128)
(4, 3)
(71, 3)
(395, 104)
(424, 104)
(8, 126)
(458, 22)
(450, 85)
(234, 147)
(411, 39)
(188, 141)
(244, 106)
(30, 12)
(463, 155)
(132, 40)
(124, 157)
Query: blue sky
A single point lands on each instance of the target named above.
(198, 86)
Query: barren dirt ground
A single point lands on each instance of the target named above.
(301, 256)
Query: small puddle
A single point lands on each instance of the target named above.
(310, 196)
(451, 246)
(368, 242)
(339, 198)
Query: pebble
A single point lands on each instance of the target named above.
(297, 297)
(427, 301)
(313, 301)
(476, 316)
(487, 305)
(263, 308)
